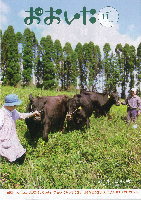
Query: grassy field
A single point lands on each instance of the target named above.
(107, 155)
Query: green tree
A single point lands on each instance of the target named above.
(98, 61)
(128, 67)
(84, 70)
(10, 58)
(90, 62)
(67, 64)
(59, 60)
(139, 67)
(19, 38)
(48, 57)
(36, 56)
(1, 53)
(74, 68)
(79, 51)
(28, 58)
(94, 59)
(114, 73)
(132, 65)
(0, 34)
(106, 64)
(39, 67)
(120, 63)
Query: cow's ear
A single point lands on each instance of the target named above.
(68, 101)
(79, 95)
(67, 98)
(111, 94)
(30, 97)
(45, 100)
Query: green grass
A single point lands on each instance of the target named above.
(107, 155)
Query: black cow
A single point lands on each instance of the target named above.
(53, 110)
(80, 109)
(102, 102)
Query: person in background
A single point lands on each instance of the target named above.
(133, 103)
(10, 146)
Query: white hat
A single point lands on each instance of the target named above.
(133, 89)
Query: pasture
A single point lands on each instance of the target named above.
(107, 155)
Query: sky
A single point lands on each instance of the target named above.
(125, 14)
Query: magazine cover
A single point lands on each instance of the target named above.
(70, 87)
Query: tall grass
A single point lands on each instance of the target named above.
(107, 155)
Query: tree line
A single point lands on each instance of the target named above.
(21, 53)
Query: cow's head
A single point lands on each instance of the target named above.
(74, 107)
(37, 103)
(115, 98)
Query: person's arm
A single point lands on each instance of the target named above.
(125, 102)
(139, 105)
(27, 115)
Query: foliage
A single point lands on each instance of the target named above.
(105, 156)
(54, 64)
(74, 68)
(106, 64)
(114, 74)
(79, 51)
(120, 64)
(138, 63)
(19, 37)
(28, 59)
(59, 60)
(128, 66)
(84, 71)
(68, 51)
(48, 57)
(94, 59)
(10, 66)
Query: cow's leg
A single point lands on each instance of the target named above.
(62, 125)
(87, 122)
(46, 131)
